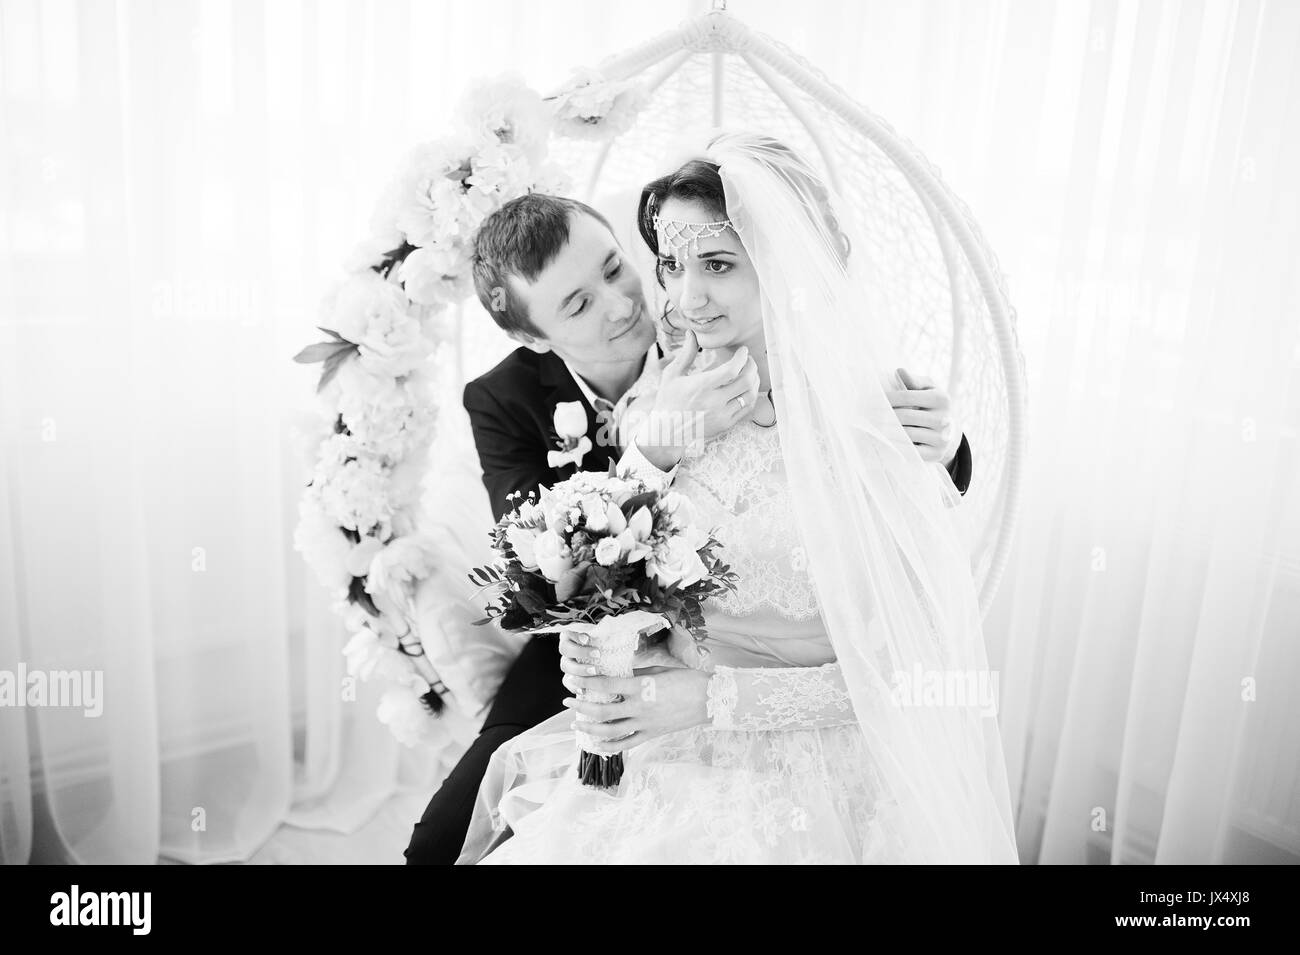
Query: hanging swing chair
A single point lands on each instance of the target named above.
(933, 268)
(934, 278)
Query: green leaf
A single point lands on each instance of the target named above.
(321, 351)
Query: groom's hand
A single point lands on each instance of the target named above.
(650, 704)
(697, 407)
(925, 412)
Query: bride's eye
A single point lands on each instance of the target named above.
(722, 267)
(669, 265)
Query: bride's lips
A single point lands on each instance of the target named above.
(703, 322)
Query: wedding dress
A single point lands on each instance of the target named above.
(781, 774)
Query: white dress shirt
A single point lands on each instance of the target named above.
(632, 463)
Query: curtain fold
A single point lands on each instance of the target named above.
(180, 180)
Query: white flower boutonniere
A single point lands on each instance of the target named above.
(571, 426)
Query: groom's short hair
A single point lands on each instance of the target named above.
(521, 238)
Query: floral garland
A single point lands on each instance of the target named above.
(387, 320)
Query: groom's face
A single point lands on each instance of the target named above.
(588, 302)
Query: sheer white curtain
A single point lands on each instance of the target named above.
(180, 180)
(1134, 166)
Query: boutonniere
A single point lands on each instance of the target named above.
(571, 426)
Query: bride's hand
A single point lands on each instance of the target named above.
(662, 700)
(678, 649)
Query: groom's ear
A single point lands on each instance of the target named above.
(539, 345)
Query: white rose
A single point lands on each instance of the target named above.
(552, 555)
(675, 562)
(523, 541)
(608, 551)
(570, 419)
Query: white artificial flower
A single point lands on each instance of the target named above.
(353, 305)
(506, 110)
(402, 562)
(570, 419)
(434, 275)
(368, 658)
(355, 494)
(394, 344)
(522, 541)
(500, 172)
(356, 383)
(420, 201)
(406, 717)
(322, 543)
(391, 420)
(373, 251)
(552, 555)
(362, 553)
(608, 551)
(591, 107)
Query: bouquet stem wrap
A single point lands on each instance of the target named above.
(617, 637)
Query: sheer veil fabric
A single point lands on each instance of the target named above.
(883, 530)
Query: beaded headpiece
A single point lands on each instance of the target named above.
(676, 235)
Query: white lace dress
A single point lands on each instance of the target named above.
(780, 775)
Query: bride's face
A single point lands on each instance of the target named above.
(714, 290)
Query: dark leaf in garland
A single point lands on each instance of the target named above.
(357, 595)
(331, 333)
(321, 351)
(332, 365)
(432, 701)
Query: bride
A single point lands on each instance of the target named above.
(828, 723)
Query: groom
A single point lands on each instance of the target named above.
(554, 277)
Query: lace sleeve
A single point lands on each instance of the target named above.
(778, 698)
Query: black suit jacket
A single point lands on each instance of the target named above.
(511, 409)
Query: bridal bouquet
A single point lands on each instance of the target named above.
(610, 557)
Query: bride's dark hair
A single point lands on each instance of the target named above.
(699, 180)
